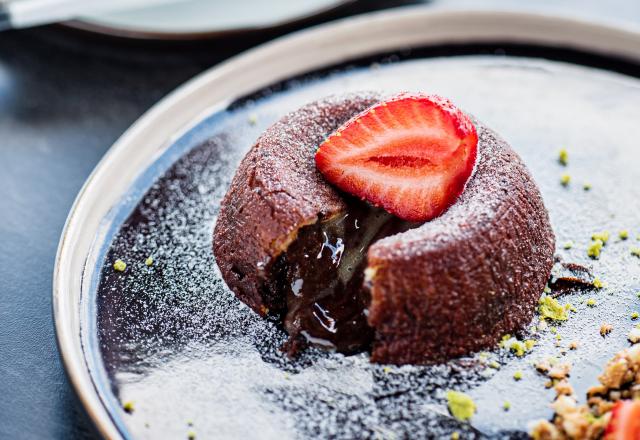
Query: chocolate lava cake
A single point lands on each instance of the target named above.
(344, 274)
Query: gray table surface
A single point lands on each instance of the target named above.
(65, 97)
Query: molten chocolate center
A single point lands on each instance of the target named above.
(324, 272)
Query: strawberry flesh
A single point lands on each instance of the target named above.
(625, 421)
(411, 155)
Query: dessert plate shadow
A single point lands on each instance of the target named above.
(169, 339)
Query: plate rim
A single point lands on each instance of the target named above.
(183, 108)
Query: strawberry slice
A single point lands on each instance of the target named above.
(625, 421)
(411, 155)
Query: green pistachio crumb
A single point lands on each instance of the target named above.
(563, 157)
(624, 234)
(495, 365)
(252, 119)
(591, 302)
(568, 244)
(603, 236)
(191, 435)
(386, 370)
(586, 187)
(460, 405)
(635, 251)
(635, 315)
(550, 308)
(506, 405)
(553, 330)
(558, 337)
(565, 179)
(546, 289)
(598, 284)
(455, 435)
(128, 406)
(148, 261)
(518, 348)
(517, 375)
(529, 344)
(119, 266)
(595, 248)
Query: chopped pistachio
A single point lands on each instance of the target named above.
(128, 406)
(595, 248)
(455, 435)
(252, 119)
(624, 234)
(517, 375)
(603, 236)
(558, 337)
(518, 348)
(598, 284)
(591, 302)
(191, 435)
(148, 261)
(387, 370)
(550, 308)
(635, 315)
(483, 355)
(529, 344)
(495, 365)
(586, 187)
(506, 406)
(119, 265)
(635, 251)
(553, 330)
(563, 157)
(460, 405)
(565, 179)
(546, 289)
(568, 244)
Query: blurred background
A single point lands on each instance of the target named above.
(73, 76)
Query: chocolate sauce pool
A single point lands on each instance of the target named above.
(175, 341)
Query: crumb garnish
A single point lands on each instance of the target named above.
(595, 248)
(602, 236)
(605, 329)
(460, 405)
(119, 266)
(128, 406)
(148, 261)
(563, 157)
(550, 308)
(565, 179)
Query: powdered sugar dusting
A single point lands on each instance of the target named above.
(177, 342)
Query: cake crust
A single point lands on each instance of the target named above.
(449, 287)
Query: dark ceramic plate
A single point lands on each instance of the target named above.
(174, 341)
